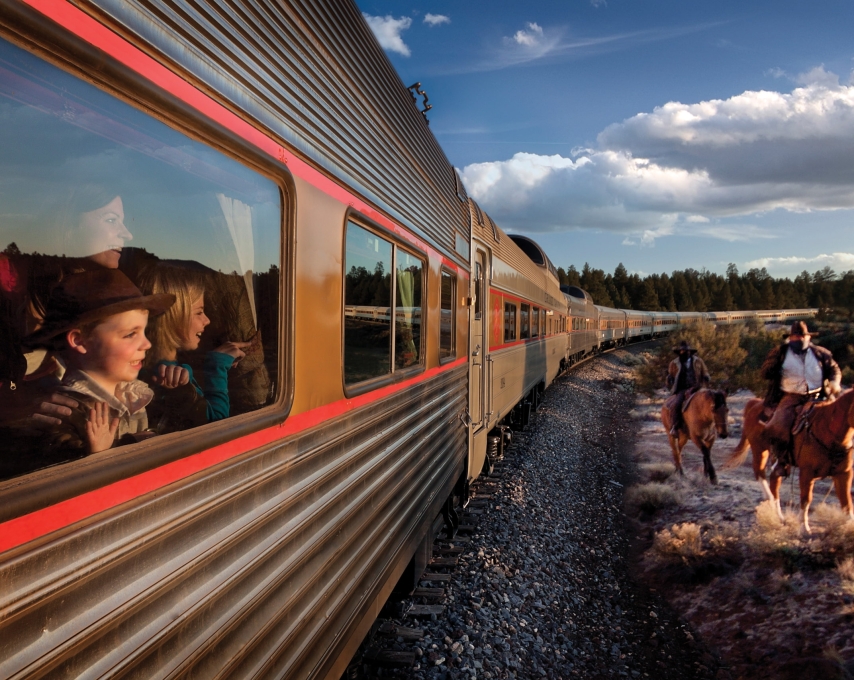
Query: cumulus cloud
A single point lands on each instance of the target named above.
(436, 19)
(685, 163)
(387, 29)
(788, 266)
(531, 36)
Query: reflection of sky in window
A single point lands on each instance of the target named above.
(59, 131)
(365, 250)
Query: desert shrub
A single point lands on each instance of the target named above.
(652, 496)
(680, 541)
(733, 355)
(845, 569)
(658, 472)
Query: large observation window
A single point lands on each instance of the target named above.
(139, 272)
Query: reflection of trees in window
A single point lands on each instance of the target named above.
(509, 322)
(524, 316)
(446, 324)
(407, 342)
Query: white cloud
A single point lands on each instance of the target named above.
(792, 266)
(387, 29)
(685, 163)
(529, 37)
(436, 19)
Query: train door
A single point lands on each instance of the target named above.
(478, 360)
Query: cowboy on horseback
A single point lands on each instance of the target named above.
(685, 375)
(798, 372)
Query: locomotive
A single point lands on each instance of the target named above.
(269, 153)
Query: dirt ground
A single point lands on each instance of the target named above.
(771, 601)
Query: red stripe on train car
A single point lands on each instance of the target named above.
(98, 35)
(26, 528)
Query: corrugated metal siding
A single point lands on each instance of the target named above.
(257, 568)
(313, 74)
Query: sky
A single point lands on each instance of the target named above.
(660, 134)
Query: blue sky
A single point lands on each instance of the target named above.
(660, 134)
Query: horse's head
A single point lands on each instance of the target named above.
(721, 411)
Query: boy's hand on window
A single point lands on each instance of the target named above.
(100, 428)
(170, 376)
(52, 412)
(234, 350)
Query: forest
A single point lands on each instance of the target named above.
(690, 290)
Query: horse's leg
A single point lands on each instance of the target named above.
(774, 487)
(842, 483)
(760, 462)
(807, 481)
(676, 446)
(708, 468)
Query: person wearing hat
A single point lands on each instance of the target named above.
(95, 321)
(685, 374)
(797, 372)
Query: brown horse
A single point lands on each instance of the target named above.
(753, 437)
(823, 449)
(705, 417)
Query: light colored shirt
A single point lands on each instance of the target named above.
(801, 373)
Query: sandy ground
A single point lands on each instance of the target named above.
(769, 600)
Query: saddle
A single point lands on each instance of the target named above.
(802, 419)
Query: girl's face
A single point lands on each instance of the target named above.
(198, 322)
(101, 234)
(114, 350)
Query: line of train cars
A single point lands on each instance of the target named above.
(269, 164)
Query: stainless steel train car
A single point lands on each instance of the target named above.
(271, 211)
(266, 157)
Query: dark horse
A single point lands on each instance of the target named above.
(705, 416)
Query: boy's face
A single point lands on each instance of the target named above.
(114, 350)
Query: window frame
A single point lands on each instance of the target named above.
(513, 309)
(394, 375)
(524, 328)
(70, 54)
(444, 271)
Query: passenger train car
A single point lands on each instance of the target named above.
(354, 333)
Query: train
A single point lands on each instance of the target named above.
(268, 158)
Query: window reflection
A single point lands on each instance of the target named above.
(103, 210)
(446, 325)
(367, 306)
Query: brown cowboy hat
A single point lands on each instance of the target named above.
(801, 328)
(91, 296)
(684, 347)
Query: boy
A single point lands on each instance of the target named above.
(96, 321)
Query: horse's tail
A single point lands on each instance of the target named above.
(739, 453)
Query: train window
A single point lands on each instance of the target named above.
(116, 225)
(478, 290)
(509, 322)
(535, 323)
(370, 283)
(407, 318)
(525, 321)
(448, 312)
(367, 305)
(543, 320)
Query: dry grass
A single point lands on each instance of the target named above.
(652, 496)
(658, 472)
(681, 540)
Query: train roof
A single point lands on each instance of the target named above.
(536, 254)
(576, 292)
(312, 73)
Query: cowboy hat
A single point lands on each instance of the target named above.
(89, 296)
(800, 328)
(684, 347)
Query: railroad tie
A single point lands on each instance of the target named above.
(435, 578)
(390, 658)
(429, 593)
(389, 629)
(426, 610)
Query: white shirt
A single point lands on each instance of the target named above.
(801, 372)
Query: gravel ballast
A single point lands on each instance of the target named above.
(544, 587)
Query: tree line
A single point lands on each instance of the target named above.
(690, 290)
